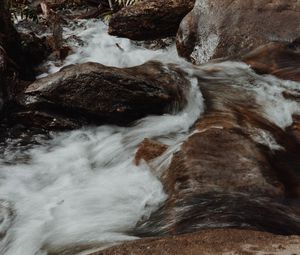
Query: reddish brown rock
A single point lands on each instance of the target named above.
(149, 20)
(226, 28)
(149, 150)
(279, 59)
(234, 171)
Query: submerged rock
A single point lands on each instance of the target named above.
(94, 93)
(149, 20)
(44, 120)
(218, 29)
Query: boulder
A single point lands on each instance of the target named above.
(94, 93)
(226, 28)
(237, 167)
(43, 120)
(149, 20)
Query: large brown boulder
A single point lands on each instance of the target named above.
(238, 169)
(93, 93)
(226, 28)
(149, 20)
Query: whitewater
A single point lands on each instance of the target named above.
(80, 190)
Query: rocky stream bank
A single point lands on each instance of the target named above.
(193, 156)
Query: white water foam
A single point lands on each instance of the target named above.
(98, 46)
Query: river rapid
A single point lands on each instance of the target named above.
(81, 189)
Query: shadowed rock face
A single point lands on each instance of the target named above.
(11, 44)
(18, 56)
(9, 38)
(226, 28)
(9, 50)
(149, 20)
(238, 169)
(93, 93)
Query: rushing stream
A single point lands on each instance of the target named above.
(81, 188)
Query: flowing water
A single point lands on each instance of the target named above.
(81, 188)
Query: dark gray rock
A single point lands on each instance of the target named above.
(94, 93)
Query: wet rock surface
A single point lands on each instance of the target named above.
(93, 93)
(238, 169)
(277, 58)
(149, 150)
(149, 20)
(218, 29)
